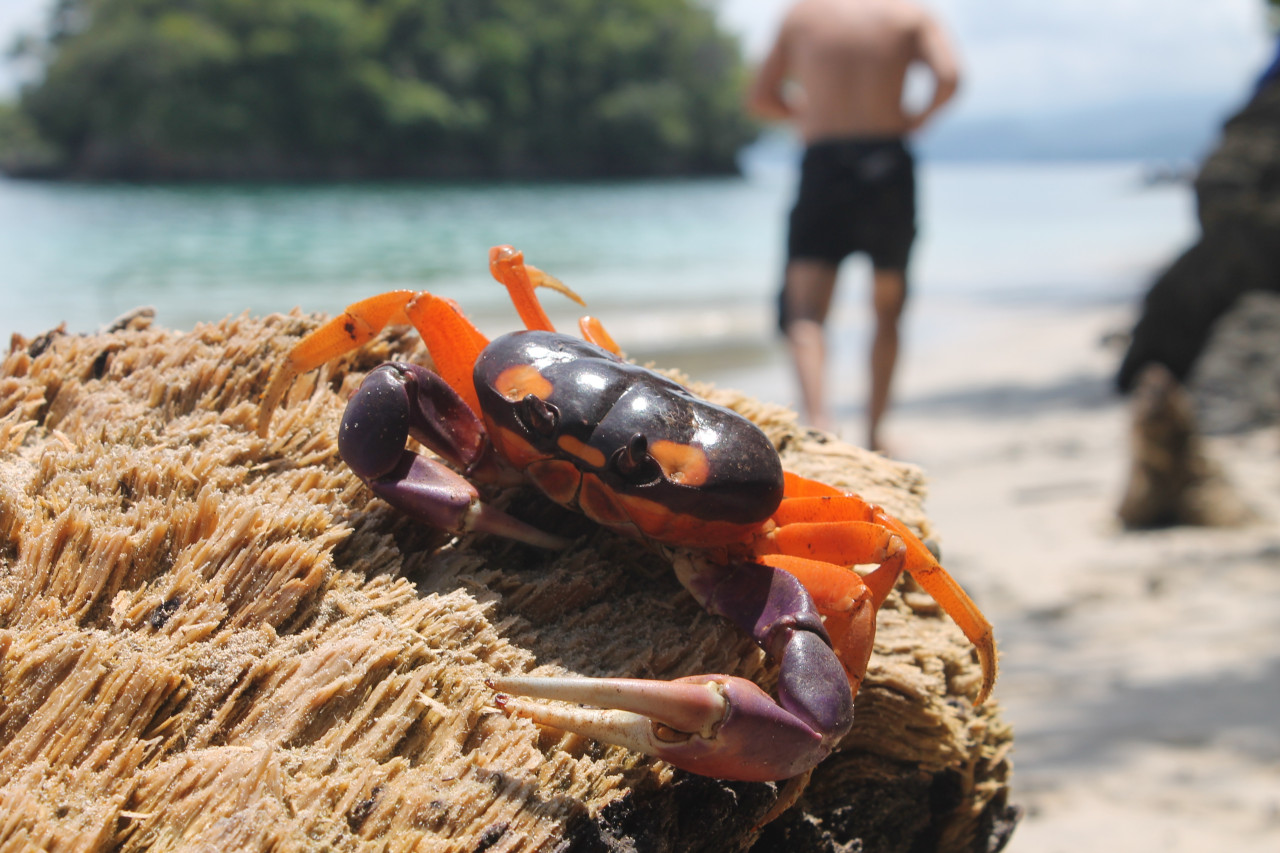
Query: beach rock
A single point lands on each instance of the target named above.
(1238, 252)
(213, 640)
(1239, 182)
(1205, 352)
(1172, 481)
(1236, 382)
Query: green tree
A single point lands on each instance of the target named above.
(360, 88)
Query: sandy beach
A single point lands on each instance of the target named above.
(1140, 670)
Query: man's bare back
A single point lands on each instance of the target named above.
(849, 59)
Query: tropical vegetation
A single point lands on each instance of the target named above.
(379, 88)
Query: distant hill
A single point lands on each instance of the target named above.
(1168, 131)
(375, 89)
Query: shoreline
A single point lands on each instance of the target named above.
(953, 352)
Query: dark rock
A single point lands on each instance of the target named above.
(1238, 202)
(1236, 382)
(1172, 481)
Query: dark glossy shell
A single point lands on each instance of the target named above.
(644, 437)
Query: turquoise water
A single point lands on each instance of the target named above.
(662, 262)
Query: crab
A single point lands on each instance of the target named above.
(640, 454)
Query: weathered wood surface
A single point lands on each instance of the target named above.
(210, 638)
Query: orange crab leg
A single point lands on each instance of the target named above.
(821, 508)
(508, 267)
(593, 331)
(944, 589)
(844, 543)
(807, 502)
(795, 486)
(452, 340)
(356, 325)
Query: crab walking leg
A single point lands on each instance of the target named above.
(795, 486)
(507, 266)
(718, 725)
(929, 573)
(355, 326)
(593, 331)
(845, 543)
(808, 499)
(399, 400)
(453, 341)
(888, 542)
(541, 278)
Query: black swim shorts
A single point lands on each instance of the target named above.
(856, 195)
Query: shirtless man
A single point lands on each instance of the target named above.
(847, 61)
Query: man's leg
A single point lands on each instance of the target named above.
(809, 287)
(889, 296)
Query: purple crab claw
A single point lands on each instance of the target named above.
(713, 725)
(717, 725)
(398, 400)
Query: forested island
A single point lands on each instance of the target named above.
(367, 89)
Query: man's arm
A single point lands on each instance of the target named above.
(765, 97)
(936, 52)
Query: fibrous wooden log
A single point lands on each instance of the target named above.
(214, 640)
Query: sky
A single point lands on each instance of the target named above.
(1028, 55)
(1020, 55)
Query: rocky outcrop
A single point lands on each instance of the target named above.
(214, 640)
(1238, 203)
(1236, 382)
(1172, 480)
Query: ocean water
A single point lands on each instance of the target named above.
(668, 265)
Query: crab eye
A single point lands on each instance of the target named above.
(633, 461)
(538, 415)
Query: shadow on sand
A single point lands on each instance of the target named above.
(1235, 711)
(1014, 400)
